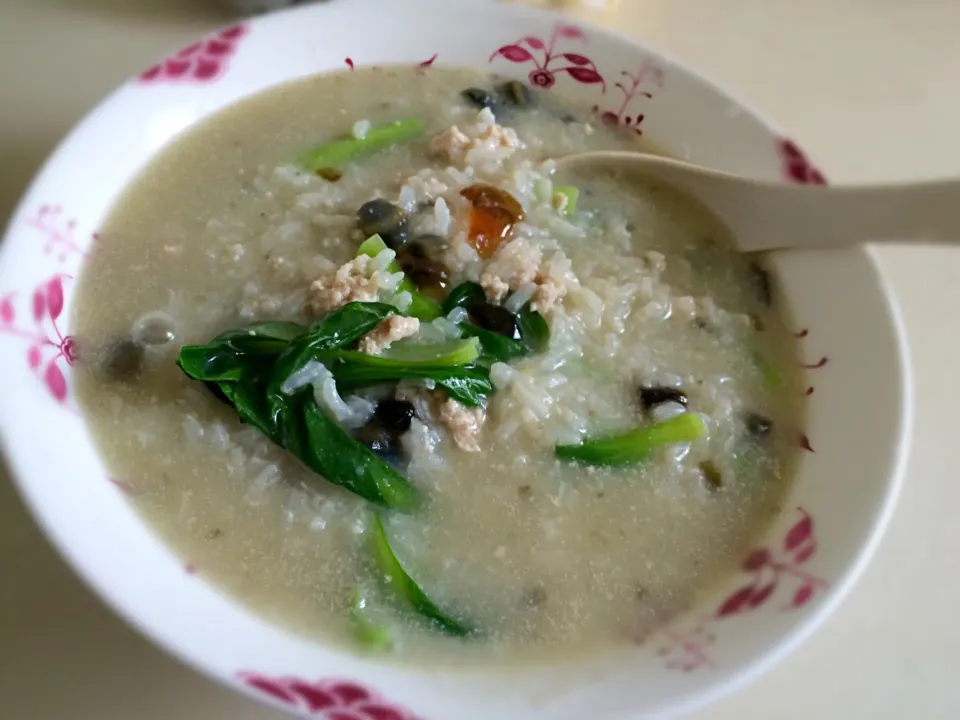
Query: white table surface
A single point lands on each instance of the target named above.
(869, 87)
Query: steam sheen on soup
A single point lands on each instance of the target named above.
(367, 362)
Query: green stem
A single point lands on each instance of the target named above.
(421, 307)
(572, 194)
(338, 153)
(635, 446)
(406, 589)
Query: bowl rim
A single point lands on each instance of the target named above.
(783, 645)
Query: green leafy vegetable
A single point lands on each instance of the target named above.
(635, 446)
(468, 385)
(236, 354)
(249, 368)
(534, 331)
(368, 634)
(496, 347)
(407, 590)
(373, 246)
(248, 397)
(448, 364)
(338, 153)
(464, 295)
(337, 330)
(421, 307)
(572, 194)
(330, 451)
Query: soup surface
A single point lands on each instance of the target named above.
(604, 309)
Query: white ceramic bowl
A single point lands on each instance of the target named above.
(859, 392)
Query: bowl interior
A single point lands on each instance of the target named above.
(853, 445)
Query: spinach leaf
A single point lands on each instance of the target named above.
(337, 330)
(238, 354)
(348, 324)
(464, 295)
(468, 387)
(534, 331)
(496, 347)
(407, 590)
(320, 443)
(248, 367)
(330, 451)
(248, 398)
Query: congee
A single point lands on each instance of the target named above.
(369, 364)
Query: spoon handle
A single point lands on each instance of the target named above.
(830, 217)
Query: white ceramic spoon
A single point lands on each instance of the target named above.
(768, 216)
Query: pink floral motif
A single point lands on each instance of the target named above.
(122, 485)
(687, 650)
(796, 167)
(648, 74)
(326, 699)
(428, 62)
(202, 62)
(43, 353)
(59, 236)
(423, 65)
(768, 570)
(804, 441)
(548, 61)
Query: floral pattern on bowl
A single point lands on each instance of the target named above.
(327, 699)
(202, 62)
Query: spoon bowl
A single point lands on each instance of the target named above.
(764, 215)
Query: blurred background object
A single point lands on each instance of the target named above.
(565, 4)
(258, 6)
(249, 7)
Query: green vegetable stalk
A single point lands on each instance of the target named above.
(635, 446)
(448, 364)
(421, 307)
(572, 194)
(406, 590)
(368, 634)
(338, 153)
(468, 385)
(496, 347)
(433, 355)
